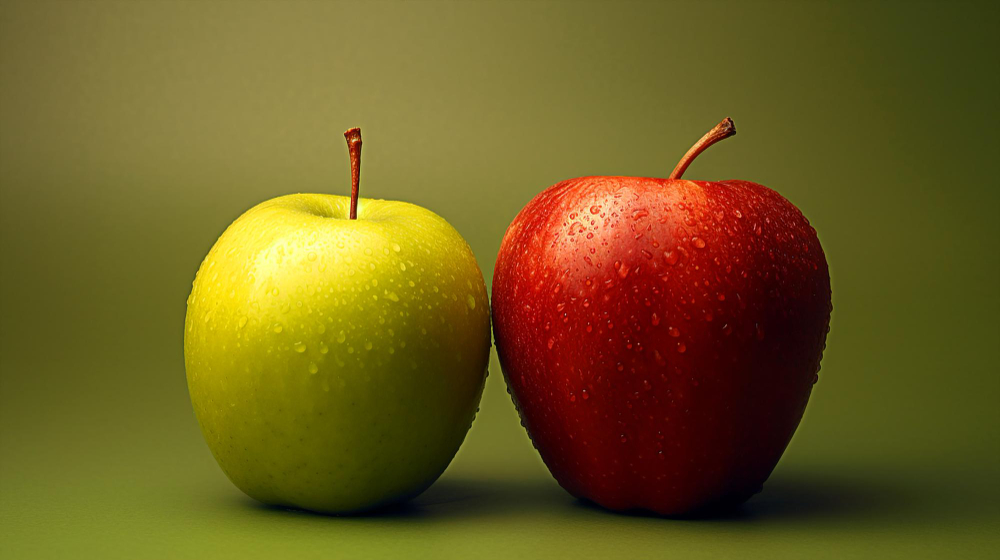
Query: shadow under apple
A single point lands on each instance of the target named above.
(790, 497)
(787, 497)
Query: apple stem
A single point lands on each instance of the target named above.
(353, 136)
(723, 130)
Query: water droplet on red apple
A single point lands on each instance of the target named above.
(655, 319)
(595, 209)
(622, 271)
(674, 332)
(681, 347)
(698, 242)
(551, 343)
(671, 257)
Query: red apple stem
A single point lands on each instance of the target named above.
(723, 130)
(353, 136)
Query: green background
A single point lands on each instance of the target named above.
(133, 133)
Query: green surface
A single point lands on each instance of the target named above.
(132, 133)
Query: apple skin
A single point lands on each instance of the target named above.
(660, 338)
(336, 365)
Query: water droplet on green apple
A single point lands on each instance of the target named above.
(470, 301)
(341, 337)
(313, 368)
(243, 322)
(368, 345)
(300, 347)
(278, 328)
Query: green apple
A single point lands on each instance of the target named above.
(336, 364)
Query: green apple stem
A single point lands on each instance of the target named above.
(723, 130)
(353, 136)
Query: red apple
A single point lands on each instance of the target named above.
(660, 337)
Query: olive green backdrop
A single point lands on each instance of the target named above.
(133, 133)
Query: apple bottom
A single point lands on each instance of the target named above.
(669, 429)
